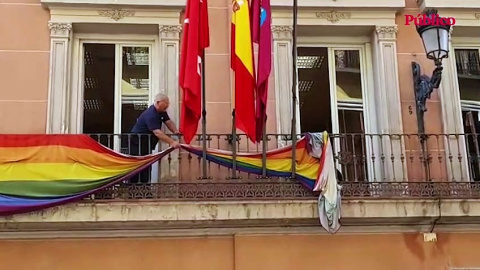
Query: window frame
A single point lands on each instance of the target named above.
(77, 86)
(461, 44)
(368, 92)
(366, 63)
(466, 105)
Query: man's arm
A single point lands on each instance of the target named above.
(154, 125)
(171, 126)
(163, 137)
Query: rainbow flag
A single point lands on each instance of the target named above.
(279, 162)
(40, 171)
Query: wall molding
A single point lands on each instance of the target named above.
(183, 218)
(117, 13)
(235, 231)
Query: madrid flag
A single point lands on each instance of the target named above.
(195, 39)
(262, 35)
(242, 65)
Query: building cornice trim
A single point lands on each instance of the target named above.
(235, 231)
(113, 3)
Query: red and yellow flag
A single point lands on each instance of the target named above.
(242, 65)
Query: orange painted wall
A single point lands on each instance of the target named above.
(24, 58)
(306, 252)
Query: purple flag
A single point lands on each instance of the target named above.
(262, 35)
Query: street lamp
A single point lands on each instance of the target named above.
(434, 31)
(435, 36)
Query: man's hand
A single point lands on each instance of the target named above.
(175, 144)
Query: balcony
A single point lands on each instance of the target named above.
(386, 180)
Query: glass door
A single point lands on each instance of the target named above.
(133, 86)
(468, 77)
(348, 118)
(116, 90)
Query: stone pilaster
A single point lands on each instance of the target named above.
(58, 95)
(169, 37)
(449, 94)
(282, 49)
(388, 106)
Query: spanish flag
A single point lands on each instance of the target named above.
(242, 65)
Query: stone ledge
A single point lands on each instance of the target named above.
(209, 232)
(246, 214)
(139, 3)
(453, 4)
(374, 4)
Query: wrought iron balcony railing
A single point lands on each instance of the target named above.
(368, 166)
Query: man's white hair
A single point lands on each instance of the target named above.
(161, 97)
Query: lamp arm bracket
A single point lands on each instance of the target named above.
(424, 85)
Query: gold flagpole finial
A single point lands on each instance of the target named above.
(235, 6)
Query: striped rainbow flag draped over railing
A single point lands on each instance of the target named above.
(40, 171)
(314, 167)
(278, 164)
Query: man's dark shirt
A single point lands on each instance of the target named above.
(150, 120)
(146, 123)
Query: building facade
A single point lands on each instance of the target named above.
(84, 66)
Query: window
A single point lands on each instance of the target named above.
(331, 85)
(116, 89)
(468, 76)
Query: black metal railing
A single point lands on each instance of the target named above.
(368, 165)
(287, 189)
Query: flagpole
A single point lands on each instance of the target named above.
(294, 87)
(264, 150)
(204, 121)
(234, 146)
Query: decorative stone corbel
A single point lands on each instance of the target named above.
(282, 32)
(387, 32)
(59, 29)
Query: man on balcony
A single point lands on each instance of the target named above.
(148, 130)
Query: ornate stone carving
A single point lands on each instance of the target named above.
(282, 31)
(386, 32)
(333, 16)
(170, 31)
(117, 13)
(58, 29)
(477, 15)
